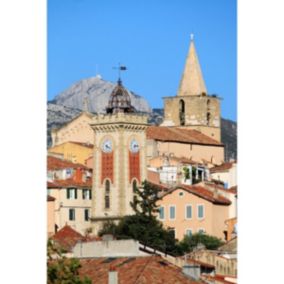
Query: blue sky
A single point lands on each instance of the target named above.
(151, 38)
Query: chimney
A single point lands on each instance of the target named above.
(112, 276)
(192, 270)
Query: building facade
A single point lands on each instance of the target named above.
(193, 107)
(119, 158)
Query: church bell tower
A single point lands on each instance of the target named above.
(119, 157)
(193, 107)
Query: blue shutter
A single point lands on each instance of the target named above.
(188, 211)
(161, 213)
(172, 212)
(200, 211)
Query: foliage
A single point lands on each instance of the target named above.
(62, 270)
(186, 173)
(145, 198)
(190, 242)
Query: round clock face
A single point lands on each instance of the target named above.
(134, 146)
(107, 146)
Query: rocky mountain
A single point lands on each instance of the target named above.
(96, 92)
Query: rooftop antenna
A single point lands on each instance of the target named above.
(120, 68)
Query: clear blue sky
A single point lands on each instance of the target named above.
(150, 37)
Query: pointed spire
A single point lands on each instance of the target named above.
(192, 82)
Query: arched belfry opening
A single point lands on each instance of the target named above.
(181, 112)
(208, 118)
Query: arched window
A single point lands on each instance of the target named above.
(208, 117)
(181, 112)
(134, 185)
(107, 194)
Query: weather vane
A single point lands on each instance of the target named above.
(120, 68)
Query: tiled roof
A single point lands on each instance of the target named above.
(87, 145)
(139, 270)
(233, 189)
(202, 193)
(58, 164)
(219, 278)
(221, 168)
(63, 183)
(67, 237)
(174, 134)
(153, 177)
(52, 184)
(50, 198)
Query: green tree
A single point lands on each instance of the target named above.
(145, 199)
(62, 270)
(190, 242)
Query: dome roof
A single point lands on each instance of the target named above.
(119, 100)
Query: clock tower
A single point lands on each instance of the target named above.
(119, 158)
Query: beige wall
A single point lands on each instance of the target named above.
(62, 206)
(77, 130)
(196, 109)
(223, 265)
(120, 129)
(228, 176)
(50, 218)
(209, 223)
(72, 152)
(195, 152)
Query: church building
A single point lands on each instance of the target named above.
(193, 107)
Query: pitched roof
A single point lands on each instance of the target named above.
(202, 193)
(221, 168)
(175, 134)
(192, 82)
(63, 183)
(67, 237)
(87, 145)
(50, 198)
(140, 270)
(58, 164)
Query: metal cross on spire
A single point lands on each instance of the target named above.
(120, 68)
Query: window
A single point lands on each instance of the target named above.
(71, 193)
(72, 214)
(188, 232)
(162, 213)
(172, 212)
(201, 231)
(107, 194)
(87, 193)
(208, 117)
(86, 215)
(188, 212)
(200, 210)
(181, 194)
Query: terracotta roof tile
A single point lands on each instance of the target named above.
(139, 270)
(224, 167)
(50, 198)
(87, 145)
(67, 237)
(58, 164)
(202, 193)
(63, 183)
(174, 134)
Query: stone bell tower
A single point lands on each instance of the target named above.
(193, 107)
(119, 157)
